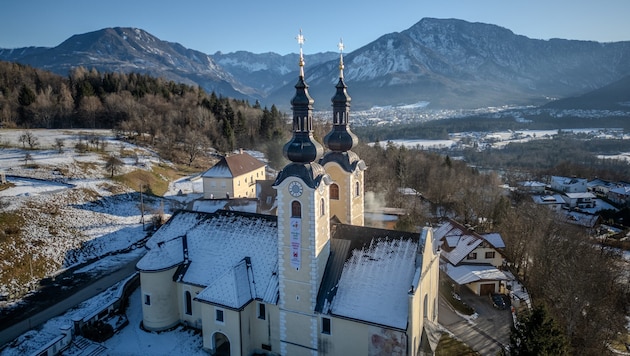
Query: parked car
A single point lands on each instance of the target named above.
(497, 301)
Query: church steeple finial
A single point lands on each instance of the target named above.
(300, 39)
(340, 138)
(302, 148)
(341, 47)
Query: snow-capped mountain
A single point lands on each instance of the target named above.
(457, 64)
(266, 72)
(126, 50)
(446, 62)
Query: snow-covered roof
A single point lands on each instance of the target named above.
(367, 290)
(369, 275)
(465, 274)
(219, 244)
(246, 205)
(580, 195)
(623, 190)
(494, 239)
(459, 241)
(531, 184)
(233, 166)
(548, 199)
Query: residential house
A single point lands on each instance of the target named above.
(569, 185)
(531, 187)
(234, 176)
(620, 194)
(579, 200)
(554, 202)
(471, 259)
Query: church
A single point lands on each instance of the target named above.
(311, 280)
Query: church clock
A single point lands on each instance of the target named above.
(295, 189)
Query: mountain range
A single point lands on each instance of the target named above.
(447, 62)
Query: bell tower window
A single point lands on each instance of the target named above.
(334, 191)
(296, 209)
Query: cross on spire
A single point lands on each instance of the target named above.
(341, 47)
(300, 40)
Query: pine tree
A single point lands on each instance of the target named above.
(536, 333)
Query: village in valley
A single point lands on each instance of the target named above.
(472, 265)
(163, 237)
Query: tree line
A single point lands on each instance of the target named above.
(179, 120)
(580, 292)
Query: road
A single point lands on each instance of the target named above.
(90, 290)
(487, 334)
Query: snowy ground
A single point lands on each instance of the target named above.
(71, 211)
(131, 340)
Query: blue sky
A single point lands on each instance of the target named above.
(271, 26)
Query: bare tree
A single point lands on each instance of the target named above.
(28, 138)
(113, 165)
(27, 157)
(59, 144)
(194, 145)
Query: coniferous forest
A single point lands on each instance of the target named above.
(178, 120)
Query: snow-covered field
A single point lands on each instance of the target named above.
(71, 211)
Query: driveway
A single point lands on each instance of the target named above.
(488, 333)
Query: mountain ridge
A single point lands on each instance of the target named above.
(450, 63)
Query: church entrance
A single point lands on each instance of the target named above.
(221, 345)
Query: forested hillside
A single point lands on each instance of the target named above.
(180, 121)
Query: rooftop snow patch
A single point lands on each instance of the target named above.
(375, 282)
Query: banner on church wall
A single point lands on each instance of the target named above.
(296, 237)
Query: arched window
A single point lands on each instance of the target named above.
(356, 189)
(296, 209)
(334, 191)
(322, 207)
(188, 305)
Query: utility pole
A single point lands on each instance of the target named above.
(141, 207)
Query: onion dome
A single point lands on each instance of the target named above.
(340, 138)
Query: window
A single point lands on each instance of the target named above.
(490, 254)
(425, 311)
(296, 209)
(219, 315)
(472, 256)
(322, 207)
(261, 311)
(147, 299)
(188, 303)
(326, 326)
(334, 191)
(356, 189)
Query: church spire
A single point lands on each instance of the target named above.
(340, 138)
(302, 148)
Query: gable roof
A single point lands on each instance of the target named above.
(465, 274)
(233, 166)
(227, 253)
(459, 241)
(369, 274)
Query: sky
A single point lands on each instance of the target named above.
(272, 26)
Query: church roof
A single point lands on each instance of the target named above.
(369, 274)
(233, 166)
(233, 254)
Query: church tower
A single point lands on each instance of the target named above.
(303, 227)
(344, 166)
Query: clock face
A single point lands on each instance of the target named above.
(295, 189)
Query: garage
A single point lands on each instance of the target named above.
(486, 288)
